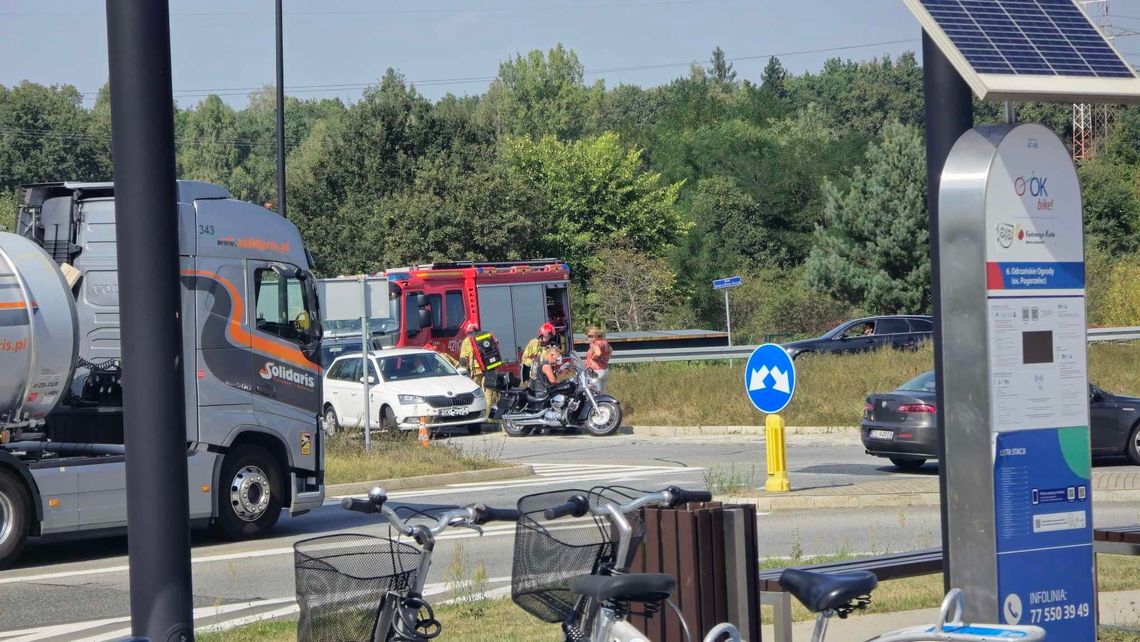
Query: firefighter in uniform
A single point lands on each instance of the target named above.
(535, 349)
(480, 355)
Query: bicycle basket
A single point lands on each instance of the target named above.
(341, 582)
(548, 554)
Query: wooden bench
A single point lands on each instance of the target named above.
(1117, 541)
(885, 567)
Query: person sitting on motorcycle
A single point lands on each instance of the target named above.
(547, 374)
(533, 352)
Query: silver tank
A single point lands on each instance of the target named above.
(38, 332)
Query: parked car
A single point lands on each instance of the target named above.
(406, 384)
(902, 425)
(342, 344)
(870, 333)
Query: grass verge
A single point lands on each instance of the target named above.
(398, 455)
(830, 389)
(494, 621)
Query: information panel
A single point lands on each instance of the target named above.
(1038, 385)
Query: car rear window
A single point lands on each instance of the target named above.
(922, 383)
(921, 325)
(892, 326)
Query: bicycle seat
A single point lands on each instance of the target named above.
(827, 591)
(634, 587)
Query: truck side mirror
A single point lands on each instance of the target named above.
(422, 301)
(424, 318)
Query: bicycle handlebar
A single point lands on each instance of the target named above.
(671, 497)
(474, 515)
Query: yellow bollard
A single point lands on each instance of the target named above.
(424, 438)
(777, 456)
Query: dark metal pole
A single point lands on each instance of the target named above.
(280, 116)
(146, 231)
(949, 114)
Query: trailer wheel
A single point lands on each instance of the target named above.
(250, 493)
(15, 517)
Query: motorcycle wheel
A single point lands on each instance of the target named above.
(604, 420)
(514, 430)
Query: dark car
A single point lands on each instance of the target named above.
(901, 425)
(861, 335)
(337, 345)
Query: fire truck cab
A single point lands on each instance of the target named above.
(512, 299)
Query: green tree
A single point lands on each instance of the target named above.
(592, 193)
(631, 290)
(208, 148)
(540, 95)
(871, 250)
(720, 68)
(1112, 212)
(45, 136)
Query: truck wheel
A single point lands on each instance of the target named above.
(15, 517)
(250, 493)
(332, 423)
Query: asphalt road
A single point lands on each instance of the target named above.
(80, 588)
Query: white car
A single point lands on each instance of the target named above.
(406, 384)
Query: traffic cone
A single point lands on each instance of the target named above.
(424, 438)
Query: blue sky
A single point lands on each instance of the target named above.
(454, 46)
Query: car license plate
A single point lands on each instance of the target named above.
(883, 434)
(452, 412)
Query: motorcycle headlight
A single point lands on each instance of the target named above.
(410, 399)
(478, 392)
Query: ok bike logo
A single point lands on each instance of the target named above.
(1034, 187)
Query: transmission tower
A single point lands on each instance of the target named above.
(1092, 123)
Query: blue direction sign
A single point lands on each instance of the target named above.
(770, 378)
(730, 282)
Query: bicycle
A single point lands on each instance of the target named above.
(831, 595)
(370, 589)
(578, 575)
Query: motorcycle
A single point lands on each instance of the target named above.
(576, 403)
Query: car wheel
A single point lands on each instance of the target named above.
(387, 420)
(251, 491)
(604, 419)
(331, 422)
(474, 429)
(908, 465)
(514, 430)
(1133, 447)
(15, 517)
(800, 355)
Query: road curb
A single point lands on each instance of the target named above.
(795, 501)
(688, 431)
(429, 481)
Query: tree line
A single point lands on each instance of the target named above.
(810, 186)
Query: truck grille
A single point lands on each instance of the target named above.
(447, 402)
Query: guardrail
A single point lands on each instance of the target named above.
(1095, 335)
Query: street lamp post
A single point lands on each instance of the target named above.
(280, 116)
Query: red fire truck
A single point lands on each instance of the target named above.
(512, 299)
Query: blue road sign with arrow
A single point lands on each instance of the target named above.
(730, 282)
(770, 378)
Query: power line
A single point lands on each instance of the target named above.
(383, 12)
(302, 89)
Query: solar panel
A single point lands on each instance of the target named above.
(1028, 49)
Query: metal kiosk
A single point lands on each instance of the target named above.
(1009, 288)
